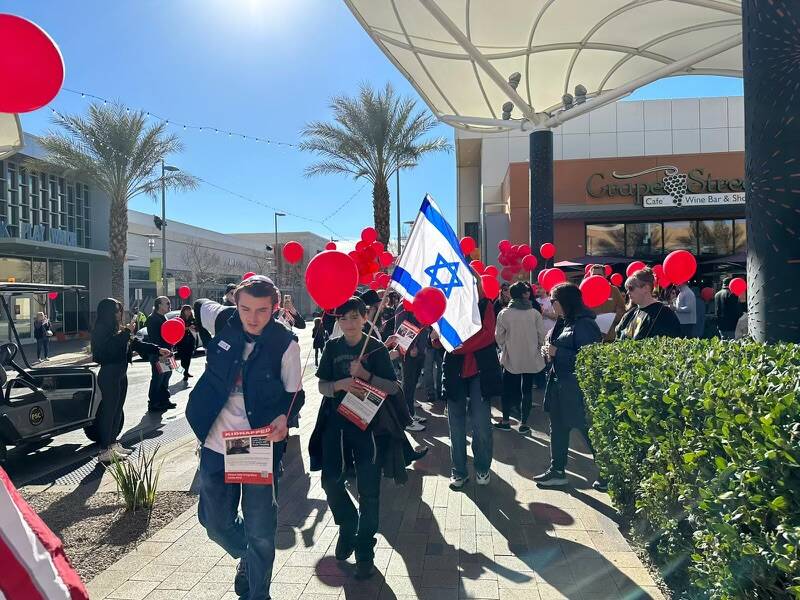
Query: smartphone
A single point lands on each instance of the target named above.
(287, 298)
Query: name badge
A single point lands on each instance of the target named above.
(224, 345)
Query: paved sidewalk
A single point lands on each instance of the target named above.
(507, 541)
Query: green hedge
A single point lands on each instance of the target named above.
(700, 442)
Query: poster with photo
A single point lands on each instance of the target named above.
(406, 334)
(362, 406)
(248, 456)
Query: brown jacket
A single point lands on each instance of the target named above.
(614, 304)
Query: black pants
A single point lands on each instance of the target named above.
(517, 394)
(186, 360)
(158, 394)
(412, 369)
(316, 356)
(113, 383)
(42, 344)
(559, 444)
(359, 524)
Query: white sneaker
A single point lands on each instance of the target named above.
(415, 426)
(458, 483)
(120, 449)
(108, 455)
(419, 419)
(483, 478)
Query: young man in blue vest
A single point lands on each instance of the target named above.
(252, 380)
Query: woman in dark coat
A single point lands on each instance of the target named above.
(112, 346)
(185, 348)
(319, 335)
(574, 329)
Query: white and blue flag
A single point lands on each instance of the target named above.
(433, 258)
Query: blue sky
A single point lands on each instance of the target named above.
(259, 67)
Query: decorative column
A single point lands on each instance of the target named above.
(541, 184)
(771, 40)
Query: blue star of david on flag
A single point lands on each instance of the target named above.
(451, 267)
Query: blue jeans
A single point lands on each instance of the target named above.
(250, 535)
(42, 344)
(480, 414)
(432, 372)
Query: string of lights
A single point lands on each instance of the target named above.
(189, 126)
(260, 203)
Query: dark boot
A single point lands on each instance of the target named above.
(240, 584)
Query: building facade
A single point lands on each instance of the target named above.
(631, 180)
(53, 229)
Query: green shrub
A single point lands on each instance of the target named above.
(137, 481)
(700, 443)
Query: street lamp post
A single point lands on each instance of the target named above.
(164, 168)
(277, 214)
(397, 181)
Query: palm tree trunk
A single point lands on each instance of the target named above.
(118, 246)
(381, 209)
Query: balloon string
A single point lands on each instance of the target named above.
(372, 325)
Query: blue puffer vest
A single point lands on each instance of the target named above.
(264, 395)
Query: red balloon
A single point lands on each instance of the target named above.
(525, 249)
(616, 279)
(374, 285)
(680, 266)
(247, 275)
(386, 258)
(608, 270)
(52, 295)
(330, 246)
(738, 286)
(541, 275)
(408, 306)
(587, 268)
(504, 246)
(547, 250)
(529, 263)
(595, 290)
(369, 235)
(184, 292)
(707, 294)
(515, 268)
(360, 245)
(293, 252)
(32, 61)
(661, 278)
(383, 280)
(429, 305)
(491, 270)
(503, 259)
(378, 247)
(636, 265)
(478, 266)
(331, 278)
(507, 274)
(552, 278)
(491, 287)
(172, 330)
(467, 245)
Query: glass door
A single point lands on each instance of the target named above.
(22, 311)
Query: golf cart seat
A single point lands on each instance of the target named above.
(8, 351)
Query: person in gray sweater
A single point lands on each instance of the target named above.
(685, 308)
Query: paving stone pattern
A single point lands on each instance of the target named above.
(509, 540)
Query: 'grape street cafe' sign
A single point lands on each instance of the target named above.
(694, 188)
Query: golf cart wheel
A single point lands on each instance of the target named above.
(91, 432)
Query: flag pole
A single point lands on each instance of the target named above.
(372, 322)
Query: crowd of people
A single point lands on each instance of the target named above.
(372, 352)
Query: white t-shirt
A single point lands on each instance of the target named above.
(233, 416)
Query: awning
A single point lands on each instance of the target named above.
(460, 55)
(10, 135)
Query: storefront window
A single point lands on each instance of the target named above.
(15, 269)
(70, 273)
(39, 270)
(740, 236)
(56, 274)
(680, 235)
(605, 240)
(716, 237)
(643, 239)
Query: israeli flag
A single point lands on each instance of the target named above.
(433, 258)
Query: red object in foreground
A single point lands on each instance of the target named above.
(595, 290)
(293, 252)
(616, 279)
(547, 250)
(467, 245)
(32, 61)
(184, 292)
(429, 305)
(52, 295)
(330, 246)
(369, 235)
(331, 278)
(408, 306)
(247, 275)
(551, 278)
(478, 266)
(172, 330)
(680, 266)
(636, 265)
(34, 564)
(529, 262)
(386, 258)
(491, 287)
(738, 286)
(707, 294)
(491, 270)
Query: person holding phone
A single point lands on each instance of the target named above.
(289, 315)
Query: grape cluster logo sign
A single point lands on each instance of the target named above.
(674, 182)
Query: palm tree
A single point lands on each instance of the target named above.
(116, 149)
(372, 135)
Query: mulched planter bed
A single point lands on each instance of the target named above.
(96, 529)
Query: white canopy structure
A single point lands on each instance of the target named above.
(467, 58)
(10, 135)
